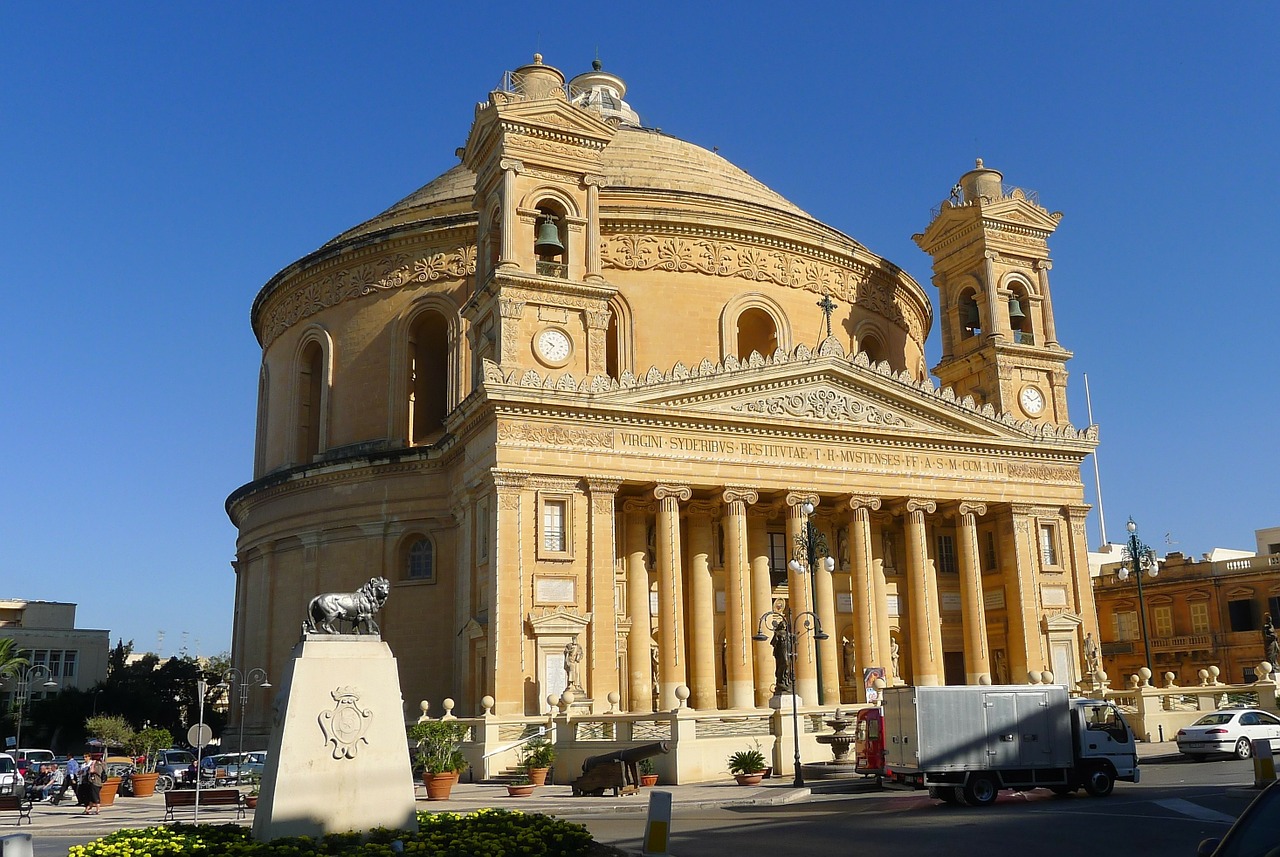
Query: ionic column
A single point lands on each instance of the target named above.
(640, 637)
(602, 634)
(868, 651)
(926, 628)
(702, 608)
(799, 597)
(506, 248)
(671, 653)
(507, 665)
(593, 225)
(761, 602)
(1046, 305)
(739, 617)
(997, 322)
(977, 657)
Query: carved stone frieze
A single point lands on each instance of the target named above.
(554, 435)
(388, 272)
(1043, 472)
(826, 405)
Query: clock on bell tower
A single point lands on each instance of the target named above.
(991, 265)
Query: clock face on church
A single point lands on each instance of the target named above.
(553, 346)
(1031, 400)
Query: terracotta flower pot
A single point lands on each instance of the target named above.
(251, 801)
(538, 776)
(439, 785)
(749, 779)
(648, 780)
(521, 790)
(107, 794)
(144, 785)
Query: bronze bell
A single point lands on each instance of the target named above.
(1016, 316)
(971, 317)
(548, 243)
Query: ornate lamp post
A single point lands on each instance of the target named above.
(810, 544)
(256, 678)
(22, 691)
(1141, 559)
(786, 631)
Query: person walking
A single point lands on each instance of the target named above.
(92, 787)
(70, 781)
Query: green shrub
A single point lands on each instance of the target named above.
(487, 833)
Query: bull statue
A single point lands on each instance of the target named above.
(355, 607)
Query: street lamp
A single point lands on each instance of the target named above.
(786, 631)
(255, 678)
(1142, 559)
(22, 691)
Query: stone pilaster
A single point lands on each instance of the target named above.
(702, 607)
(507, 608)
(640, 637)
(761, 601)
(602, 657)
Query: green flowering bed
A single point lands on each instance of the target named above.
(487, 833)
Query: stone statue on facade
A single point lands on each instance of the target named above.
(1091, 654)
(355, 607)
(572, 668)
(895, 656)
(1269, 641)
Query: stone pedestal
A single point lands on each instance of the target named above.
(339, 757)
(782, 702)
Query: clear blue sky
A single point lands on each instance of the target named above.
(161, 161)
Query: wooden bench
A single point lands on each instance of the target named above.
(175, 798)
(19, 803)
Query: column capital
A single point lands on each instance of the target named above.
(858, 502)
(593, 180)
(637, 505)
(598, 320)
(916, 504)
(679, 492)
(971, 507)
(602, 484)
(509, 480)
(1042, 264)
(796, 499)
(702, 508)
(515, 165)
(733, 494)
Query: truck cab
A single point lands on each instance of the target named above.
(1103, 739)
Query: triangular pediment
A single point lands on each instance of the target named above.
(1022, 212)
(555, 114)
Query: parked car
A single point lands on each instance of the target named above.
(1254, 832)
(9, 776)
(172, 767)
(1229, 731)
(229, 768)
(27, 759)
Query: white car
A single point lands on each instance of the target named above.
(1229, 731)
(8, 774)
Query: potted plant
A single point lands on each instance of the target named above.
(648, 775)
(146, 745)
(111, 731)
(521, 786)
(439, 755)
(536, 757)
(747, 766)
(251, 799)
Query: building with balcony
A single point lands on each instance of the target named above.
(1198, 613)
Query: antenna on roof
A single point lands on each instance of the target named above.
(1168, 539)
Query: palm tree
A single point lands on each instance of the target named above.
(10, 663)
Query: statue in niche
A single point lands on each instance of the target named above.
(850, 662)
(889, 563)
(1001, 667)
(895, 657)
(1270, 644)
(842, 549)
(572, 671)
(781, 657)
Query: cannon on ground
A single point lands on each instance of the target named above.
(616, 770)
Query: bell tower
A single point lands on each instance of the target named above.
(540, 300)
(991, 265)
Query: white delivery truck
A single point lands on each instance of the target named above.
(966, 743)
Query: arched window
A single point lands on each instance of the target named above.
(493, 243)
(550, 242)
(311, 389)
(612, 349)
(970, 315)
(420, 561)
(757, 331)
(1020, 315)
(872, 347)
(428, 376)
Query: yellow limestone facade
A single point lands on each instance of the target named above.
(568, 398)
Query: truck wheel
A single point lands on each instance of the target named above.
(981, 790)
(947, 794)
(1061, 791)
(1099, 783)
(1243, 749)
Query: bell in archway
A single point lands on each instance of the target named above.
(971, 317)
(1016, 316)
(548, 242)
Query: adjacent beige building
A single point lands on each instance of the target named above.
(45, 633)
(570, 391)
